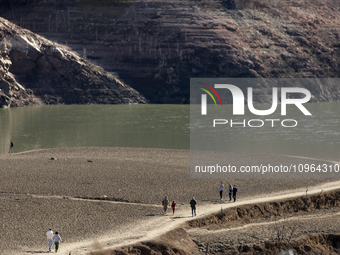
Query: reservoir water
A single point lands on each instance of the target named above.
(162, 126)
(40, 127)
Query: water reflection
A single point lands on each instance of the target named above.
(154, 126)
(314, 136)
(164, 126)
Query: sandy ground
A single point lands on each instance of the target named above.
(37, 193)
(323, 221)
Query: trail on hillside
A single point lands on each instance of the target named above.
(157, 225)
(272, 222)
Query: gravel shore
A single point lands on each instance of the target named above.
(118, 187)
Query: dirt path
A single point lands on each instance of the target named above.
(160, 224)
(273, 222)
(95, 200)
(32, 186)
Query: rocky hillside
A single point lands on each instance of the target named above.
(34, 71)
(156, 46)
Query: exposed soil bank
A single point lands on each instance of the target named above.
(286, 216)
(247, 213)
(127, 186)
(312, 245)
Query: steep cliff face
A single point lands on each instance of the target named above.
(34, 71)
(156, 46)
(12, 93)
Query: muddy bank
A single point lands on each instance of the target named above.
(248, 213)
(113, 193)
(312, 245)
(174, 242)
(305, 225)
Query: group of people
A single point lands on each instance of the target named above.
(56, 239)
(231, 190)
(53, 238)
(166, 202)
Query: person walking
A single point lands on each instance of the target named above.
(230, 192)
(234, 193)
(56, 240)
(193, 204)
(11, 147)
(165, 203)
(49, 239)
(173, 206)
(220, 189)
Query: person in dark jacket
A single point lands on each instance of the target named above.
(193, 204)
(165, 203)
(230, 192)
(11, 147)
(234, 193)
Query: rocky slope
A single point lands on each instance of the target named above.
(35, 71)
(156, 46)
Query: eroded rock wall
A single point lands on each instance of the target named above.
(34, 71)
(157, 46)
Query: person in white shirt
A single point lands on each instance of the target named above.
(220, 189)
(56, 240)
(49, 239)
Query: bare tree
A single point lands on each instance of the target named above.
(283, 233)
